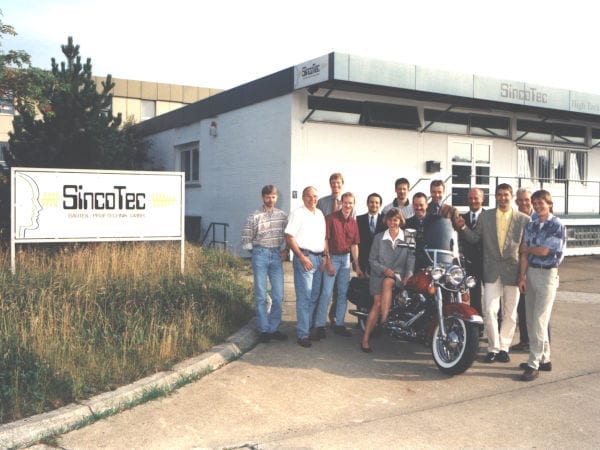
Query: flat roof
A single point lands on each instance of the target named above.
(340, 71)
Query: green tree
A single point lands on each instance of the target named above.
(74, 126)
(20, 84)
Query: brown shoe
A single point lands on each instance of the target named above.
(520, 347)
(530, 374)
(544, 367)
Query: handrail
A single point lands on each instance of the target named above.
(571, 197)
(213, 227)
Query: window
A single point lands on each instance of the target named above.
(3, 150)
(555, 165)
(470, 161)
(460, 123)
(189, 162)
(386, 115)
(556, 133)
(148, 109)
(7, 107)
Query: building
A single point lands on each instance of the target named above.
(135, 100)
(375, 121)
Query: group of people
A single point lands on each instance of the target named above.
(513, 253)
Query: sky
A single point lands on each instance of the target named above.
(225, 43)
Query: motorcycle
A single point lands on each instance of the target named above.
(433, 307)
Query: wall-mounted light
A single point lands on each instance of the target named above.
(432, 166)
(213, 129)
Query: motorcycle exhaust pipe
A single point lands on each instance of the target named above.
(357, 313)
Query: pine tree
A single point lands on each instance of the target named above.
(75, 127)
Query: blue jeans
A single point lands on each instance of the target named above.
(307, 284)
(266, 263)
(341, 278)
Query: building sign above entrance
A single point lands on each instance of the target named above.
(359, 69)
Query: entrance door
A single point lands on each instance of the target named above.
(470, 162)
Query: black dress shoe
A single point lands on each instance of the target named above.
(322, 333)
(490, 357)
(502, 356)
(530, 374)
(342, 331)
(544, 367)
(278, 336)
(265, 337)
(304, 342)
(314, 334)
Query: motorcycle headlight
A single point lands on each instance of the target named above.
(437, 273)
(455, 275)
(470, 282)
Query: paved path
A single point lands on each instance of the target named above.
(280, 395)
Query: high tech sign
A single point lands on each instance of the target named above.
(79, 205)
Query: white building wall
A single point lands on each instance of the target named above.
(371, 158)
(267, 143)
(251, 149)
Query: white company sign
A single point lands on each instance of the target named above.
(52, 205)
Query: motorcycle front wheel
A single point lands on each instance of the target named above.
(455, 354)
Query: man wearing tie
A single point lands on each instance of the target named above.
(437, 207)
(369, 225)
(500, 230)
(473, 253)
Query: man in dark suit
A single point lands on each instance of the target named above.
(473, 253)
(500, 230)
(437, 207)
(418, 223)
(369, 225)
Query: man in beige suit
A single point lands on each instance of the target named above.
(501, 232)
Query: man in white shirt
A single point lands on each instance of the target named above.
(305, 235)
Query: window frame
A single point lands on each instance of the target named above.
(532, 155)
(188, 161)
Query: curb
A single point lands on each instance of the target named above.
(28, 431)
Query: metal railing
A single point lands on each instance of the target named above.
(571, 197)
(212, 230)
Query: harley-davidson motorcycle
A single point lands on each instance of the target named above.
(433, 307)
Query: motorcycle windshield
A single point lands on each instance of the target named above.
(439, 241)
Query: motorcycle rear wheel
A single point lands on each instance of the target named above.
(456, 353)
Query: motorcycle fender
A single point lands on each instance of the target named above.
(463, 311)
(460, 310)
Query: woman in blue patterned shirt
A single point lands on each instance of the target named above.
(542, 251)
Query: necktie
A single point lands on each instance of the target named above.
(473, 220)
(336, 205)
(372, 225)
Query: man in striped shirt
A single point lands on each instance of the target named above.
(402, 186)
(264, 236)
